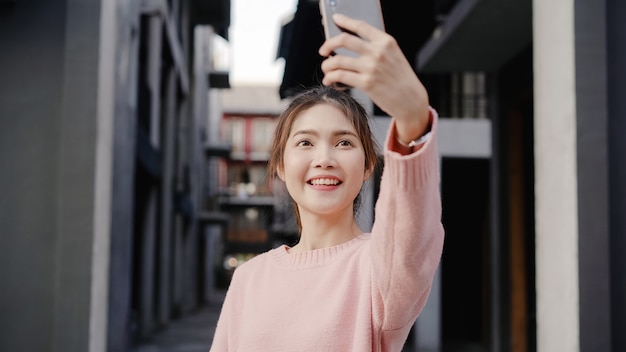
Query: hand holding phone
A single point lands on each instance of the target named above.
(381, 70)
(365, 10)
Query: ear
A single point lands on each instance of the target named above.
(367, 174)
(281, 173)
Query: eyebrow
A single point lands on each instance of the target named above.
(315, 133)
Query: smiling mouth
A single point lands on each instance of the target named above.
(324, 182)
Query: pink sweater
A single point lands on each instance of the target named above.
(362, 295)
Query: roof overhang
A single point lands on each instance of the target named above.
(478, 35)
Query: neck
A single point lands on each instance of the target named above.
(326, 230)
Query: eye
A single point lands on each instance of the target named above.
(345, 143)
(304, 143)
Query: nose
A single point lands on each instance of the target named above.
(324, 158)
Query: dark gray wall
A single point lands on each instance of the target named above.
(48, 65)
(601, 112)
(616, 54)
(593, 187)
(30, 109)
(76, 192)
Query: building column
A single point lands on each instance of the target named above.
(571, 173)
(119, 65)
(555, 176)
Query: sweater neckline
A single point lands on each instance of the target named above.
(313, 258)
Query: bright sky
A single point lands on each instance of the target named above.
(253, 37)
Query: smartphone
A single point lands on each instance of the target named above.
(365, 10)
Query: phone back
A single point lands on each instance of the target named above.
(365, 10)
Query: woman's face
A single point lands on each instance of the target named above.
(324, 161)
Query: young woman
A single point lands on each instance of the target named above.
(340, 289)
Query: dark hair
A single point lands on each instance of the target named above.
(343, 101)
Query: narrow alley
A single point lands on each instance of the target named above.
(192, 333)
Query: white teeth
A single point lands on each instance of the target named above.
(324, 181)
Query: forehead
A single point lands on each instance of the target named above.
(322, 117)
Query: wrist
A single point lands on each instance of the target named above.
(401, 139)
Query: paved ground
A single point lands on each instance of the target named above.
(192, 333)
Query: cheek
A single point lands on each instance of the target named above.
(359, 163)
(291, 165)
(355, 168)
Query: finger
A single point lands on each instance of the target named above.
(359, 27)
(343, 40)
(338, 62)
(336, 67)
(362, 32)
(346, 77)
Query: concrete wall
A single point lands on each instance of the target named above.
(48, 109)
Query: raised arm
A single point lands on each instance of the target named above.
(407, 237)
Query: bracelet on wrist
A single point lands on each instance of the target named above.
(416, 142)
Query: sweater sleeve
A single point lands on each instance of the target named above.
(407, 235)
